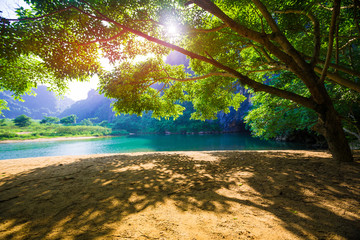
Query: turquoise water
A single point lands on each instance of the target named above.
(145, 143)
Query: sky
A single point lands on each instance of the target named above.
(77, 90)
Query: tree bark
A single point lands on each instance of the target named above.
(329, 125)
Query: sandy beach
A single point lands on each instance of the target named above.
(181, 195)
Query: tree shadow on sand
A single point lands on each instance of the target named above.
(84, 199)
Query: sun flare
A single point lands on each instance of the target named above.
(172, 29)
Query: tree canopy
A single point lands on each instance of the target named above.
(49, 120)
(299, 51)
(22, 121)
(69, 119)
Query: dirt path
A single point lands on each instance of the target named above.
(181, 195)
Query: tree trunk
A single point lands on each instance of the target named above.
(330, 127)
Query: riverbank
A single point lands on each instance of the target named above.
(60, 138)
(49, 139)
(181, 195)
(9, 131)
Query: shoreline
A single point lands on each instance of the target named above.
(49, 139)
(104, 136)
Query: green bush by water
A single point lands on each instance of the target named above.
(8, 130)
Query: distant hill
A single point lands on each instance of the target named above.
(44, 103)
(94, 106)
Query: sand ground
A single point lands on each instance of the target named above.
(181, 195)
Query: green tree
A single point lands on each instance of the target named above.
(49, 120)
(130, 123)
(3, 122)
(22, 121)
(312, 43)
(71, 119)
(86, 122)
(279, 117)
(104, 123)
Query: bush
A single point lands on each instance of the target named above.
(22, 121)
(3, 122)
(82, 130)
(119, 132)
(7, 135)
(50, 120)
(86, 122)
(69, 119)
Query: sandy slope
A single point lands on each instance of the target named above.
(181, 195)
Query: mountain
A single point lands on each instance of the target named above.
(43, 103)
(94, 106)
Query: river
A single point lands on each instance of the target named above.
(146, 143)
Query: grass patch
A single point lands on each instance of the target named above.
(8, 131)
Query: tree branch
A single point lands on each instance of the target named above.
(352, 133)
(260, 38)
(266, 70)
(278, 35)
(41, 17)
(292, 58)
(104, 40)
(340, 80)
(336, 44)
(261, 19)
(356, 4)
(244, 80)
(349, 42)
(271, 61)
(334, 16)
(274, 27)
(208, 30)
(222, 74)
(317, 37)
(338, 67)
(331, 9)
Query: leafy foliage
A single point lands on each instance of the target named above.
(9, 130)
(271, 117)
(146, 124)
(3, 106)
(86, 122)
(69, 119)
(22, 121)
(49, 120)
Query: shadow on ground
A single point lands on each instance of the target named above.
(308, 196)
